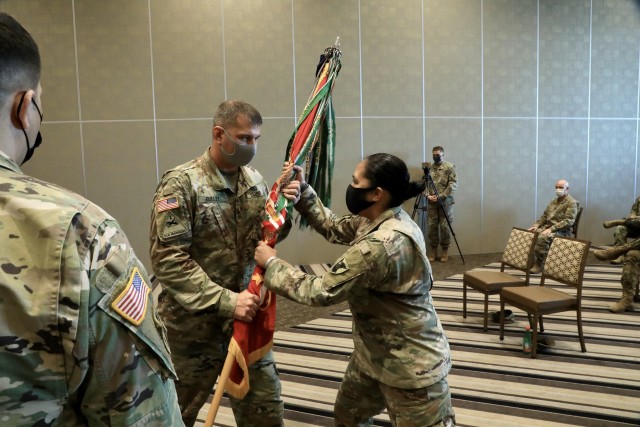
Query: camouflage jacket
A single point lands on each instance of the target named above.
(80, 340)
(559, 215)
(444, 177)
(203, 235)
(386, 277)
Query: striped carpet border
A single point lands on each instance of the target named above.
(492, 381)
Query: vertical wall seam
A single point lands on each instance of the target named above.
(75, 47)
(293, 54)
(224, 50)
(481, 122)
(360, 72)
(153, 96)
(424, 89)
(586, 192)
(635, 175)
(537, 156)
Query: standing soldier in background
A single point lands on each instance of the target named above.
(628, 227)
(444, 178)
(80, 340)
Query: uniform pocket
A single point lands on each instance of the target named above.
(128, 300)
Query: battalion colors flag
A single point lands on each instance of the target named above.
(312, 143)
(251, 341)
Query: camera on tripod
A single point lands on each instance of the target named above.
(425, 167)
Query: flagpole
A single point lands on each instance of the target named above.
(217, 397)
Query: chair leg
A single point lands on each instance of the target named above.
(501, 319)
(534, 344)
(486, 312)
(582, 344)
(541, 324)
(464, 300)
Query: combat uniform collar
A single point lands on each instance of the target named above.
(7, 163)
(247, 176)
(372, 226)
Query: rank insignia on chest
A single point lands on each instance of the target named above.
(166, 204)
(132, 301)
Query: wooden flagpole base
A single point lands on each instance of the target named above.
(217, 397)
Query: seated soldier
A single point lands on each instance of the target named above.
(630, 254)
(628, 227)
(556, 220)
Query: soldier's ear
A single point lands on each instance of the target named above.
(377, 194)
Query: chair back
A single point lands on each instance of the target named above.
(566, 261)
(519, 251)
(574, 228)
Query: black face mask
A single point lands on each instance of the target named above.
(437, 158)
(356, 201)
(38, 141)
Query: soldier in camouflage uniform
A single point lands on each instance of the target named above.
(205, 225)
(630, 254)
(401, 355)
(80, 340)
(556, 220)
(445, 180)
(628, 227)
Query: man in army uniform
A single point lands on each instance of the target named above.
(80, 340)
(556, 220)
(444, 177)
(630, 255)
(401, 355)
(628, 227)
(205, 225)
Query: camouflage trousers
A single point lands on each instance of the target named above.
(198, 366)
(630, 273)
(361, 397)
(630, 230)
(543, 243)
(439, 232)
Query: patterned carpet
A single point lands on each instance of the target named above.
(493, 383)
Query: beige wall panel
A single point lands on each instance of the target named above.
(180, 141)
(453, 58)
(508, 180)
(114, 57)
(59, 158)
(258, 54)
(188, 62)
(391, 58)
(121, 175)
(317, 24)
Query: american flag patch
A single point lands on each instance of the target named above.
(166, 204)
(132, 301)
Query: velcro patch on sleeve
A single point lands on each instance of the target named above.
(132, 301)
(340, 266)
(167, 203)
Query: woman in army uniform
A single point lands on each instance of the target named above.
(401, 355)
